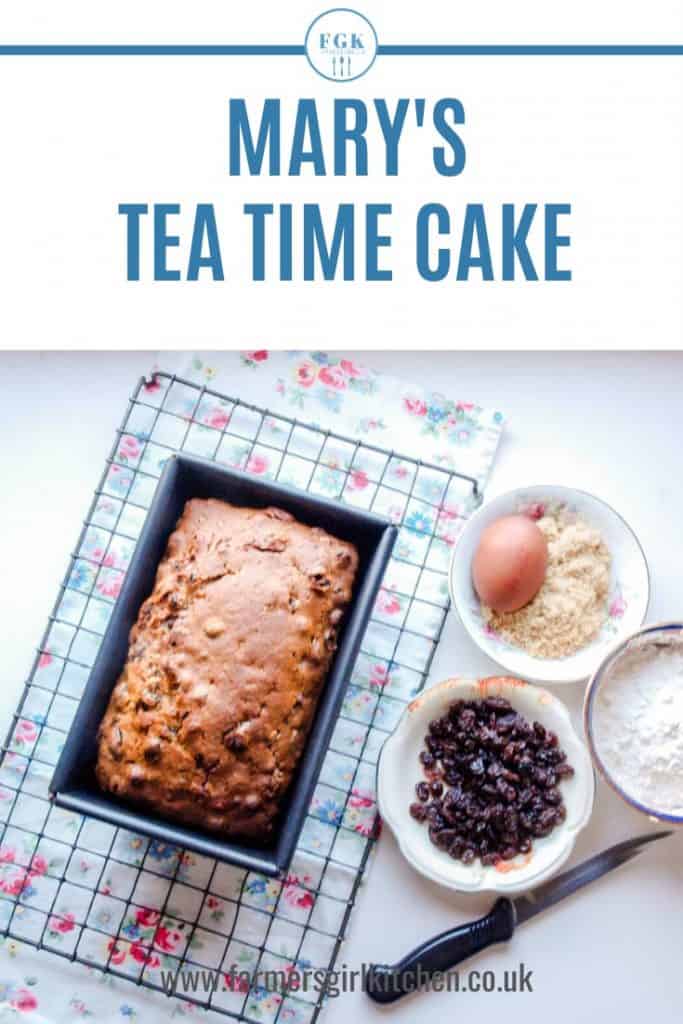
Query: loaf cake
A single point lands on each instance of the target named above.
(226, 661)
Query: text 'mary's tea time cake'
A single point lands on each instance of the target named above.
(226, 662)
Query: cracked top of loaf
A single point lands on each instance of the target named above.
(226, 661)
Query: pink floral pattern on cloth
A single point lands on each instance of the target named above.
(145, 908)
(338, 392)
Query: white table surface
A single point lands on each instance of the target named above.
(609, 423)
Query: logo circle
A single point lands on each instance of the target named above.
(341, 44)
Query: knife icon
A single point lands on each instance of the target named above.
(385, 983)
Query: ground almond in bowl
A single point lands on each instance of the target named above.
(638, 724)
(570, 609)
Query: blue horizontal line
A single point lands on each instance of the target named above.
(150, 50)
(524, 50)
(389, 50)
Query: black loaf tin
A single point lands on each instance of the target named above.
(74, 785)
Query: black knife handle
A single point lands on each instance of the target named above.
(385, 983)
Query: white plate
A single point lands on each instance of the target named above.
(399, 770)
(629, 592)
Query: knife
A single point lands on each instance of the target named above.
(385, 983)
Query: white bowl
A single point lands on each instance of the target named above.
(399, 770)
(629, 592)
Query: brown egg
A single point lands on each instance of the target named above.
(509, 564)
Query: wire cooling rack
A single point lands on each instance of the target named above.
(160, 916)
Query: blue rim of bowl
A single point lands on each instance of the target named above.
(591, 691)
(569, 490)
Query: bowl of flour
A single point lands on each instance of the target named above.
(633, 718)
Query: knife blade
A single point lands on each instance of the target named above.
(385, 983)
(533, 902)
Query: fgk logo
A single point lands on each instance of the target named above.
(341, 44)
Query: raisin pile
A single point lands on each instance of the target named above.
(491, 781)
